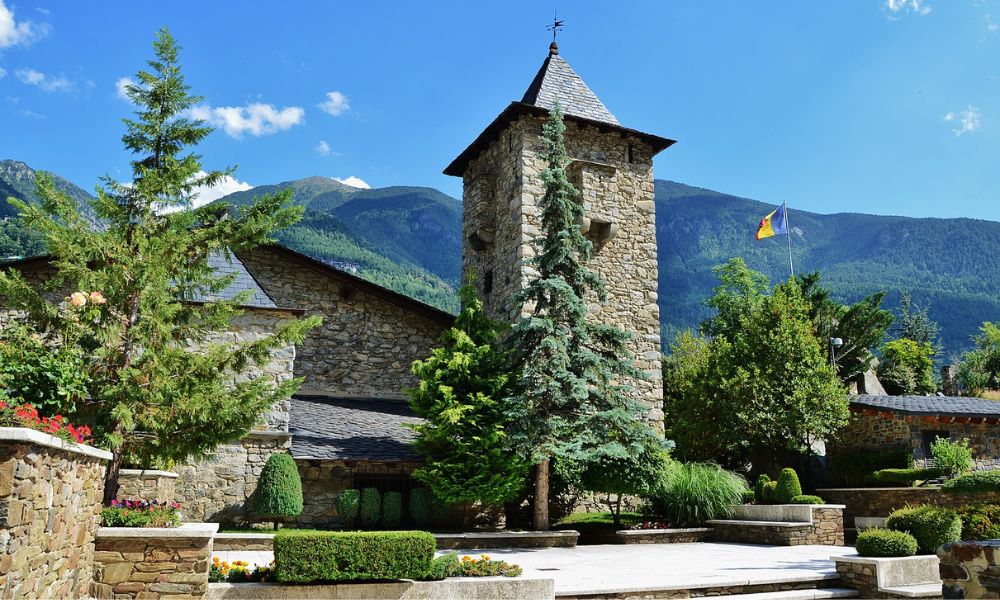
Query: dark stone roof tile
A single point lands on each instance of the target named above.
(944, 406)
(331, 428)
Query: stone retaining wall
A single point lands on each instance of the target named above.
(147, 563)
(50, 504)
(880, 502)
(146, 484)
(507, 539)
(825, 526)
(454, 588)
(970, 569)
(217, 488)
(244, 542)
(661, 536)
(890, 577)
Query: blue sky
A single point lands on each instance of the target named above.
(876, 106)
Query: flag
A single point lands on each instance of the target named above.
(774, 223)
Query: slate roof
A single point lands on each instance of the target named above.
(243, 281)
(937, 406)
(555, 82)
(331, 428)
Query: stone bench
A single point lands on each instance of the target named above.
(782, 525)
(890, 577)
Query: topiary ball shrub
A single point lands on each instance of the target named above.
(692, 493)
(420, 507)
(980, 481)
(980, 521)
(347, 503)
(806, 499)
(279, 490)
(304, 556)
(371, 508)
(769, 492)
(758, 488)
(446, 565)
(392, 510)
(885, 542)
(932, 526)
(787, 487)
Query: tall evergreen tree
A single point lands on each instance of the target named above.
(163, 384)
(567, 400)
(915, 324)
(460, 391)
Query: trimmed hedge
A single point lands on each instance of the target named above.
(980, 521)
(302, 556)
(905, 476)
(371, 507)
(279, 491)
(392, 510)
(806, 499)
(980, 481)
(347, 504)
(885, 542)
(932, 526)
(758, 488)
(769, 491)
(420, 507)
(853, 469)
(788, 486)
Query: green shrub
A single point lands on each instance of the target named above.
(980, 481)
(806, 499)
(302, 556)
(954, 458)
(140, 513)
(420, 507)
(932, 526)
(392, 510)
(855, 468)
(371, 508)
(446, 565)
(885, 542)
(905, 476)
(980, 521)
(347, 506)
(690, 494)
(788, 486)
(769, 491)
(749, 497)
(279, 490)
(758, 488)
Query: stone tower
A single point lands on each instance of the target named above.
(612, 168)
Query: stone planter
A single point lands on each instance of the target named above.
(148, 562)
(890, 577)
(146, 484)
(453, 588)
(782, 525)
(50, 505)
(661, 536)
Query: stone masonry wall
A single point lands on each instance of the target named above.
(50, 504)
(880, 502)
(502, 188)
(322, 480)
(217, 488)
(885, 430)
(367, 341)
(146, 484)
(970, 569)
(827, 528)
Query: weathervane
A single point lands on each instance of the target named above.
(555, 27)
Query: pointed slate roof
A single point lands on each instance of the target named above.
(556, 81)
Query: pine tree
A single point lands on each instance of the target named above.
(463, 437)
(567, 402)
(164, 384)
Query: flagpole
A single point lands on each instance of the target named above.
(788, 234)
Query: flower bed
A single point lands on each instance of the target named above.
(239, 571)
(141, 513)
(25, 415)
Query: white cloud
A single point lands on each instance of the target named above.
(120, 85)
(43, 81)
(18, 33)
(336, 104)
(967, 121)
(991, 25)
(256, 119)
(896, 7)
(30, 114)
(354, 182)
(227, 185)
(3, 72)
(322, 148)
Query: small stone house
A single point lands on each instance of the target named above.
(914, 422)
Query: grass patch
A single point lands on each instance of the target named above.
(597, 518)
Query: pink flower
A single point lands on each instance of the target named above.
(97, 298)
(78, 299)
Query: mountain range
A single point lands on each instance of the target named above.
(409, 239)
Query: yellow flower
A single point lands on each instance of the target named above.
(78, 299)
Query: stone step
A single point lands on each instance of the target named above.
(921, 590)
(808, 594)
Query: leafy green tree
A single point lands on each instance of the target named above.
(150, 395)
(44, 375)
(861, 326)
(636, 472)
(568, 401)
(907, 367)
(761, 382)
(978, 369)
(916, 325)
(279, 491)
(459, 395)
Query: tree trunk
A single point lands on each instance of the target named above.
(540, 520)
(111, 477)
(617, 513)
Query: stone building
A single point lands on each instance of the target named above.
(612, 169)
